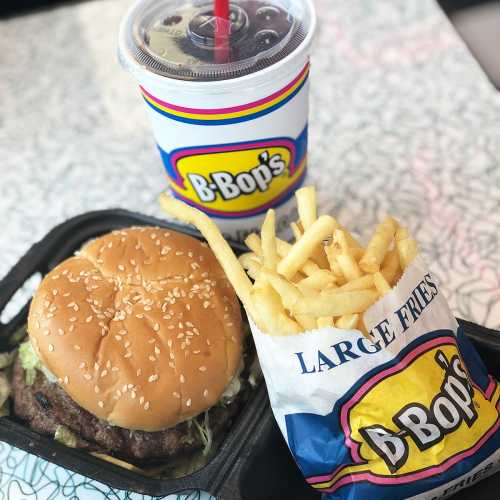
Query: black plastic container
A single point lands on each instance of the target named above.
(252, 462)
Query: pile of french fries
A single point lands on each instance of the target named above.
(324, 279)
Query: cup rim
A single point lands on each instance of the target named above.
(258, 78)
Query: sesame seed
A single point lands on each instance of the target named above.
(138, 372)
(176, 395)
(151, 341)
(76, 347)
(60, 331)
(51, 347)
(46, 332)
(146, 405)
(50, 315)
(169, 342)
(101, 404)
(182, 378)
(115, 369)
(96, 389)
(82, 364)
(104, 373)
(153, 378)
(202, 368)
(157, 350)
(66, 380)
(180, 335)
(205, 393)
(152, 358)
(108, 364)
(118, 337)
(87, 376)
(121, 267)
(127, 355)
(133, 394)
(72, 319)
(96, 366)
(141, 400)
(172, 355)
(188, 307)
(127, 343)
(206, 304)
(172, 365)
(188, 402)
(125, 388)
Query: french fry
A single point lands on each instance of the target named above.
(247, 258)
(378, 246)
(336, 303)
(407, 247)
(225, 255)
(297, 232)
(318, 255)
(363, 283)
(307, 321)
(325, 321)
(303, 248)
(319, 280)
(251, 263)
(306, 205)
(252, 241)
(381, 284)
(347, 321)
(349, 266)
(332, 253)
(390, 266)
(268, 306)
(272, 316)
(284, 248)
(268, 240)
(288, 292)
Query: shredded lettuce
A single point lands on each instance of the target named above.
(231, 391)
(31, 362)
(255, 375)
(206, 433)
(4, 394)
(65, 436)
(6, 359)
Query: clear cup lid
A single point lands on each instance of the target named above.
(183, 39)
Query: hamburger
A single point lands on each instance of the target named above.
(135, 348)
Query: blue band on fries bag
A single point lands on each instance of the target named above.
(409, 412)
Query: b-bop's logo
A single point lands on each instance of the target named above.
(237, 180)
(423, 425)
(413, 419)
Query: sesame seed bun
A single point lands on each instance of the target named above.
(141, 328)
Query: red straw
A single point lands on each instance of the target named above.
(222, 30)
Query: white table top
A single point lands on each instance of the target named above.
(402, 121)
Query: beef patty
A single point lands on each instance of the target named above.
(45, 405)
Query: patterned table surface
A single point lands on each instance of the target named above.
(402, 121)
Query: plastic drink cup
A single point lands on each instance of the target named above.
(230, 119)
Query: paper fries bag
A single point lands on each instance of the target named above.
(410, 412)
